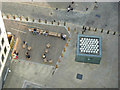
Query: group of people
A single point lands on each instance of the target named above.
(69, 8)
(25, 44)
(27, 55)
(45, 33)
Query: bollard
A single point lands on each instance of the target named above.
(64, 49)
(39, 20)
(45, 21)
(68, 28)
(52, 22)
(33, 20)
(69, 39)
(95, 29)
(89, 28)
(8, 16)
(74, 29)
(108, 32)
(59, 60)
(64, 23)
(14, 17)
(27, 19)
(101, 30)
(66, 44)
(2, 14)
(61, 54)
(82, 32)
(20, 17)
(114, 33)
(58, 23)
(56, 66)
(83, 27)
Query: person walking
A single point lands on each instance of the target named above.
(34, 31)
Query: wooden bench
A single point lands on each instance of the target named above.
(52, 34)
(37, 30)
(29, 48)
(44, 60)
(46, 51)
(50, 61)
(41, 32)
(48, 45)
(59, 35)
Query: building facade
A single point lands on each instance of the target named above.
(4, 48)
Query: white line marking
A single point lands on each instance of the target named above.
(18, 30)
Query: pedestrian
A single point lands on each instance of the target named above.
(64, 37)
(27, 55)
(56, 8)
(17, 54)
(86, 9)
(85, 29)
(61, 35)
(26, 43)
(46, 33)
(72, 2)
(68, 9)
(44, 56)
(14, 56)
(71, 8)
(34, 31)
(23, 45)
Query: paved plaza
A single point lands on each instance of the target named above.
(37, 42)
(38, 74)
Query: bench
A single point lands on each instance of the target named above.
(59, 35)
(52, 34)
(48, 45)
(44, 60)
(46, 51)
(41, 32)
(50, 61)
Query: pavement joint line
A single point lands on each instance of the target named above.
(18, 30)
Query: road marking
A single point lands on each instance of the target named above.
(18, 30)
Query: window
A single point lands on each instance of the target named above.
(0, 31)
(5, 50)
(0, 48)
(0, 65)
(2, 41)
(2, 57)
